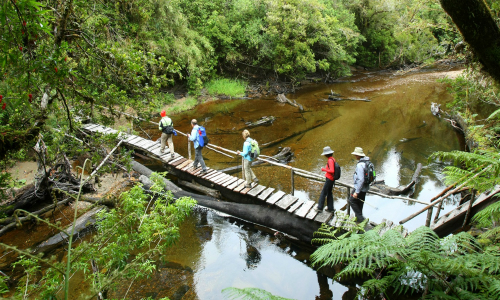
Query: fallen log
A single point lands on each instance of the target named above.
(274, 218)
(284, 156)
(263, 121)
(82, 226)
(199, 188)
(272, 143)
(283, 99)
(337, 98)
(398, 191)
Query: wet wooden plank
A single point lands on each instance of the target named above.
(304, 209)
(235, 184)
(157, 152)
(188, 166)
(295, 206)
(177, 162)
(216, 178)
(246, 190)
(195, 171)
(138, 142)
(131, 138)
(240, 187)
(214, 174)
(209, 173)
(323, 217)
(87, 126)
(219, 179)
(230, 181)
(154, 146)
(183, 164)
(255, 191)
(311, 214)
(286, 202)
(274, 198)
(263, 196)
(147, 144)
(174, 160)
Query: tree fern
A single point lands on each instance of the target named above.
(250, 294)
(468, 164)
(453, 267)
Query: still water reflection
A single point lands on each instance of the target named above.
(396, 129)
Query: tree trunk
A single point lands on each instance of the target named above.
(478, 28)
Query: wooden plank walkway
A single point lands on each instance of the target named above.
(220, 181)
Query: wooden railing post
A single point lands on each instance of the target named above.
(348, 205)
(189, 149)
(293, 183)
(429, 216)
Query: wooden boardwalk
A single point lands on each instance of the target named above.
(228, 184)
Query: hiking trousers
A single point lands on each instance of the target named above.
(357, 205)
(247, 171)
(167, 138)
(326, 192)
(198, 158)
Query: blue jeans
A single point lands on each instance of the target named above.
(326, 192)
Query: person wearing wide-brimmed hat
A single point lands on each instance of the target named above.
(326, 192)
(357, 198)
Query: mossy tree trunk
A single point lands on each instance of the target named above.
(476, 24)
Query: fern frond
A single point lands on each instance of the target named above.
(483, 218)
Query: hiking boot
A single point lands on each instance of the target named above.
(162, 151)
(317, 208)
(248, 186)
(203, 172)
(329, 210)
(256, 180)
(172, 155)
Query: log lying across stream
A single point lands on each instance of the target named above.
(282, 99)
(270, 217)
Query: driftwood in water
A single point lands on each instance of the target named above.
(398, 191)
(82, 225)
(274, 218)
(337, 98)
(263, 121)
(272, 143)
(284, 156)
(282, 99)
(200, 188)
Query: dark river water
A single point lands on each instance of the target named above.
(396, 130)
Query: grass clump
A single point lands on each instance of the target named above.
(227, 87)
(188, 104)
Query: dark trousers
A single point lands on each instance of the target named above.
(326, 192)
(357, 205)
(199, 159)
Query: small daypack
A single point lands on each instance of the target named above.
(167, 129)
(254, 150)
(337, 171)
(369, 172)
(202, 136)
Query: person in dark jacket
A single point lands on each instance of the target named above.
(357, 198)
(329, 181)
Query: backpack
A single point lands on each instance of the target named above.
(167, 129)
(255, 150)
(202, 136)
(337, 171)
(369, 172)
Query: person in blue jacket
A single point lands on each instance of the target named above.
(198, 158)
(247, 160)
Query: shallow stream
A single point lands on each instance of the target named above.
(396, 130)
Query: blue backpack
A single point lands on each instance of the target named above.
(202, 136)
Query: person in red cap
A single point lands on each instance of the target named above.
(167, 130)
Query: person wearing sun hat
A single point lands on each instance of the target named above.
(357, 198)
(326, 192)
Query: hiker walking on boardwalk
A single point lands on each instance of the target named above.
(326, 192)
(361, 184)
(247, 159)
(198, 158)
(167, 130)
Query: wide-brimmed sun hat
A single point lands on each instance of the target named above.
(327, 151)
(358, 151)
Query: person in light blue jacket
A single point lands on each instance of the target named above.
(247, 160)
(198, 158)
(357, 198)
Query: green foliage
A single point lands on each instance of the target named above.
(227, 87)
(249, 294)
(128, 240)
(449, 268)
(468, 164)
